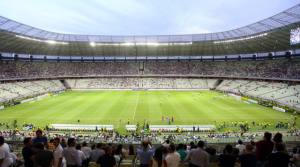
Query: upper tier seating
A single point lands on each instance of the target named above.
(280, 69)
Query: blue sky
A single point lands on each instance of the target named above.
(140, 17)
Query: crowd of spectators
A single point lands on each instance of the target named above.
(12, 69)
(137, 137)
(45, 152)
(140, 83)
(282, 69)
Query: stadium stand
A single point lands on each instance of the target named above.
(282, 93)
(279, 92)
(155, 75)
(140, 83)
(27, 89)
(280, 69)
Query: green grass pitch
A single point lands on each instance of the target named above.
(119, 107)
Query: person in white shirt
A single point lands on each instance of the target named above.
(172, 159)
(197, 156)
(241, 147)
(87, 152)
(166, 143)
(71, 155)
(6, 146)
(81, 154)
(5, 157)
(58, 153)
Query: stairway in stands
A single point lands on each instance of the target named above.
(65, 83)
(141, 68)
(217, 83)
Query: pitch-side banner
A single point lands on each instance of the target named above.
(278, 109)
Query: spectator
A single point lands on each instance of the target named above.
(58, 153)
(212, 154)
(50, 145)
(264, 149)
(118, 154)
(240, 146)
(181, 151)
(173, 158)
(253, 145)
(107, 160)
(166, 143)
(131, 150)
(277, 138)
(5, 157)
(158, 157)
(27, 152)
(296, 157)
(40, 138)
(71, 155)
(280, 158)
(227, 159)
(97, 153)
(248, 158)
(42, 158)
(197, 156)
(16, 160)
(63, 143)
(87, 152)
(145, 154)
(81, 154)
(192, 145)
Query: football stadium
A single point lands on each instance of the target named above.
(225, 98)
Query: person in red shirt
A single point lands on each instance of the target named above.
(263, 149)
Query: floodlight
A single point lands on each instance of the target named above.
(93, 44)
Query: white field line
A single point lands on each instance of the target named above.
(136, 104)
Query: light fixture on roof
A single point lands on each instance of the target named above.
(241, 39)
(154, 44)
(92, 44)
(52, 42)
(151, 44)
(128, 44)
(181, 43)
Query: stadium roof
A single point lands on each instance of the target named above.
(271, 33)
